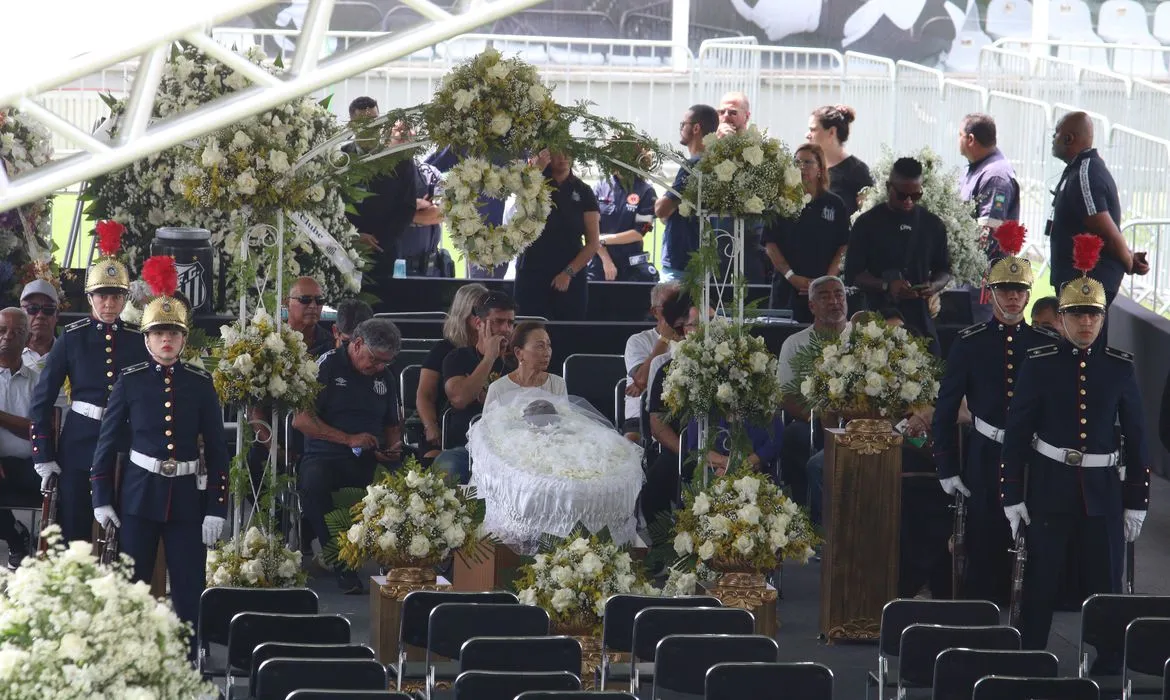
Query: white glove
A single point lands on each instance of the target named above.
(105, 514)
(212, 529)
(951, 484)
(1133, 523)
(45, 470)
(1015, 514)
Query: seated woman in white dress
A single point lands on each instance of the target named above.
(533, 350)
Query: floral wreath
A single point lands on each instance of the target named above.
(26, 231)
(488, 245)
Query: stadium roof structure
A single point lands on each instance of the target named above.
(60, 41)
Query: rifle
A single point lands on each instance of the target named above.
(1021, 552)
(48, 511)
(108, 544)
(958, 545)
(1129, 550)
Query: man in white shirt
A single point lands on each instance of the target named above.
(642, 349)
(18, 481)
(38, 299)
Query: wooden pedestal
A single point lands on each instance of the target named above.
(862, 515)
(747, 592)
(386, 612)
(492, 567)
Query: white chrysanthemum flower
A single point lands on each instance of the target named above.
(241, 141)
(753, 155)
(706, 550)
(527, 596)
(563, 599)
(702, 504)
(744, 544)
(420, 546)
(683, 543)
(725, 170)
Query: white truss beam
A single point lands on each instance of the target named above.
(309, 75)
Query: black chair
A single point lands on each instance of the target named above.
(218, 605)
(249, 630)
(1147, 647)
(1007, 688)
(279, 677)
(956, 671)
(921, 645)
(737, 680)
(682, 661)
(575, 695)
(419, 343)
(285, 650)
(452, 624)
(408, 387)
(521, 654)
(325, 694)
(413, 315)
(406, 358)
(591, 376)
(414, 626)
(501, 685)
(619, 402)
(652, 625)
(617, 630)
(899, 614)
(1104, 619)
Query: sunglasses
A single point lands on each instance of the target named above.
(307, 300)
(34, 309)
(903, 196)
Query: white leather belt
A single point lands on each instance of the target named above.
(988, 430)
(1074, 458)
(89, 410)
(165, 467)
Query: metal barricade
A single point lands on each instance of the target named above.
(1026, 144)
(1153, 290)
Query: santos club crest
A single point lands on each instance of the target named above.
(192, 283)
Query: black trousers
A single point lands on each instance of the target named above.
(989, 559)
(20, 485)
(320, 477)
(535, 295)
(186, 560)
(795, 452)
(661, 487)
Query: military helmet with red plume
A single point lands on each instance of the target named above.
(1012, 269)
(164, 311)
(107, 272)
(1084, 292)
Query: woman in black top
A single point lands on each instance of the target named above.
(811, 246)
(828, 127)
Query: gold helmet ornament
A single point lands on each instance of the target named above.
(1084, 293)
(107, 272)
(1011, 269)
(164, 311)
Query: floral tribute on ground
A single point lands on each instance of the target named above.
(254, 559)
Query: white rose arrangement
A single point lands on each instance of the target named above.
(254, 559)
(73, 628)
(25, 232)
(260, 366)
(487, 245)
(745, 175)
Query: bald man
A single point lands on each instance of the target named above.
(734, 113)
(1086, 200)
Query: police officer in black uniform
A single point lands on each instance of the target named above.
(89, 355)
(984, 366)
(626, 218)
(171, 409)
(1061, 425)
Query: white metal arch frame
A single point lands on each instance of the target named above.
(142, 138)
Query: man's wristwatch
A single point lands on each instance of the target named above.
(569, 271)
(885, 286)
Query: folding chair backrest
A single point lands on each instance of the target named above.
(417, 607)
(279, 677)
(956, 671)
(501, 685)
(921, 645)
(651, 625)
(521, 654)
(1104, 618)
(285, 650)
(408, 388)
(617, 624)
(899, 614)
(249, 630)
(452, 624)
(592, 376)
(1147, 645)
(218, 605)
(738, 680)
(681, 661)
(575, 695)
(1008, 688)
(324, 694)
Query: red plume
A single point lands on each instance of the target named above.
(1010, 237)
(109, 236)
(1086, 250)
(160, 273)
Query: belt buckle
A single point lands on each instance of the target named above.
(1073, 458)
(168, 467)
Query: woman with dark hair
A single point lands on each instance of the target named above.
(533, 351)
(811, 246)
(828, 127)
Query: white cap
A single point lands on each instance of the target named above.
(39, 287)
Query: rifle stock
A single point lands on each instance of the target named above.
(108, 544)
(958, 545)
(1021, 552)
(48, 511)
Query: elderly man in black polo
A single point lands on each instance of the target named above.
(354, 425)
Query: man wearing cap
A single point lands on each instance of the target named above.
(983, 367)
(1069, 395)
(166, 406)
(89, 354)
(39, 301)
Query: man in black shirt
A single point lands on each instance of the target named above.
(467, 373)
(353, 425)
(898, 251)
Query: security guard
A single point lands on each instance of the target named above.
(626, 218)
(1061, 424)
(89, 354)
(166, 491)
(984, 366)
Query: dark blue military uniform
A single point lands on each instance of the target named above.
(623, 211)
(164, 411)
(90, 354)
(1071, 398)
(983, 366)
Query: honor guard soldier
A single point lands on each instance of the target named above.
(167, 492)
(89, 355)
(983, 367)
(1061, 425)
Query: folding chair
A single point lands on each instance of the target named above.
(419, 343)
(249, 630)
(619, 402)
(414, 626)
(575, 695)
(899, 614)
(218, 605)
(921, 645)
(956, 671)
(590, 376)
(1006, 688)
(1147, 647)
(413, 315)
(324, 694)
(737, 680)
(279, 677)
(681, 661)
(521, 654)
(501, 685)
(408, 387)
(1104, 619)
(285, 650)
(652, 625)
(617, 630)
(452, 624)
